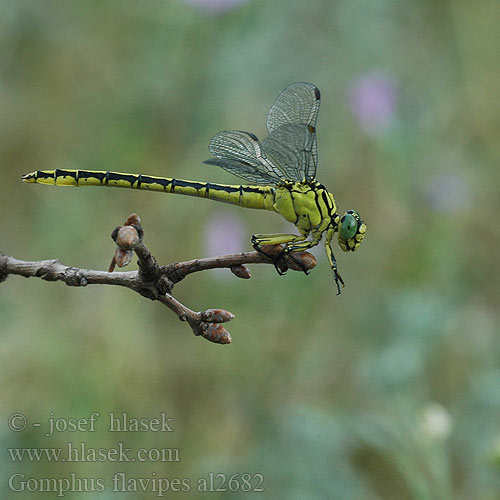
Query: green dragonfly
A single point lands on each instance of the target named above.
(281, 171)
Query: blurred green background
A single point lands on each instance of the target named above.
(389, 391)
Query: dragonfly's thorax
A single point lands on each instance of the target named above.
(306, 204)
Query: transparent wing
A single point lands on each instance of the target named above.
(242, 154)
(298, 104)
(247, 172)
(292, 148)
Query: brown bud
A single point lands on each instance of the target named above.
(122, 257)
(215, 333)
(114, 234)
(272, 251)
(241, 271)
(301, 261)
(217, 315)
(133, 219)
(127, 237)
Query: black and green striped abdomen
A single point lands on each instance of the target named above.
(261, 197)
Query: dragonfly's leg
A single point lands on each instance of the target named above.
(259, 240)
(301, 246)
(275, 239)
(333, 264)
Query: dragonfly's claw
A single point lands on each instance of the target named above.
(275, 257)
(256, 245)
(297, 261)
(277, 267)
(339, 281)
(285, 255)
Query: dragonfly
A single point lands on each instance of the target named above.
(280, 172)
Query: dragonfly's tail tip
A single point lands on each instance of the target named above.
(31, 177)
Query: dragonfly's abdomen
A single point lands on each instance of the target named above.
(261, 197)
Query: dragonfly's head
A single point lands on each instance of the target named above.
(351, 231)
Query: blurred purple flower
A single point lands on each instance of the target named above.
(373, 100)
(224, 234)
(447, 193)
(215, 5)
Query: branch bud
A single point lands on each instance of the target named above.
(127, 237)
(216, 316)
(301, 261)
(122, 257)
(241, 271)
(133, 219)
(272, 251)
(215, 333)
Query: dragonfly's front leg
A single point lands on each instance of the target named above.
(259, 240)
(333, 264)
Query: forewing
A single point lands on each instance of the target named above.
(298, 103)
(241, 153)
(292, 147)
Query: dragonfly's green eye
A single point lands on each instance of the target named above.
(348, 227)
(351, 231)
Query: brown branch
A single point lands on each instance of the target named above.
(157, 282)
